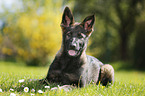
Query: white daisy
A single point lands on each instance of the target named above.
(40, 91)
(22, 80)
(1, 90)
(47, 87)
(32, 94)
(22, 86)
(54, 88)
(26, 89)
(11, 89)
(30, 80)
(33, 90)
(12, 94)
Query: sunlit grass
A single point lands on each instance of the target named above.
(130, 83)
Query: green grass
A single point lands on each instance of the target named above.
(127, 83)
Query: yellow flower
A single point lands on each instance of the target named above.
(103, 87)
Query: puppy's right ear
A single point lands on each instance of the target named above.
(67, 18)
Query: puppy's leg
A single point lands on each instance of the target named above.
(107, 74)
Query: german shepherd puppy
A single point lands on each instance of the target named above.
(71, 64)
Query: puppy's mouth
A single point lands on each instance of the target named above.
(72, 52)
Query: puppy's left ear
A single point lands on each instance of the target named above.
(88, 24)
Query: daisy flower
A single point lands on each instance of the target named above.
(47, 87)
(32, 94)
(26, 89)
(40, 91)
(33, 90)
(1, 90)
(22, 86)
(22, 80)
(12, 94)
(11, 89)
(54, 88)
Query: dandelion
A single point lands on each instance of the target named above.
(12, 94)
(103, 87)
(47, 87)
(11, 89)
(1, 90)
(26, 89)
(99, 83)
(40, 91)
(22, 80)
(33, 90)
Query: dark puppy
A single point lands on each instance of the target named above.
(71, 64)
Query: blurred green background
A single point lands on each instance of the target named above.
(30, 30)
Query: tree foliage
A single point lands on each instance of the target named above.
(115, 23)
(34, 33)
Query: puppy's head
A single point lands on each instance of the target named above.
(75, 35)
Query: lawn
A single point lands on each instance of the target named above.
(14, 78)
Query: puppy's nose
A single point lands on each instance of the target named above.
(73, 43)
(73, 46)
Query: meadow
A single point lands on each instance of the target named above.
(15, 77)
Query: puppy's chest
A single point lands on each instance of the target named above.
(67, 71)
(70, 66)
(71, 69)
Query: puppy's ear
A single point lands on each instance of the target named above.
(88, 24)
(67, 18)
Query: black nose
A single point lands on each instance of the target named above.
(73, 44)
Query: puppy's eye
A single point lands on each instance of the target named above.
(69, 34)
(81, 35)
